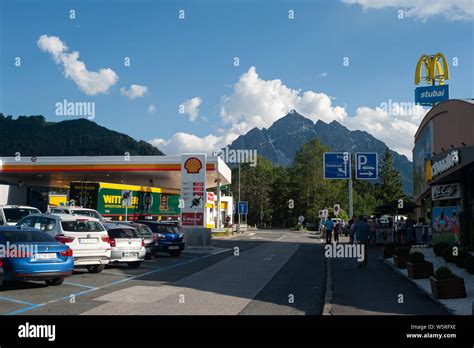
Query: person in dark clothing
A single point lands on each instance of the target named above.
(329, 224)
(361, 236)
(336, 230)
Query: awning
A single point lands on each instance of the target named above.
(154, 171)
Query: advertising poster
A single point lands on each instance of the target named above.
(445, 223)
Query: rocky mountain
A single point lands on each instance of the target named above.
(34, 136)
(280, 142)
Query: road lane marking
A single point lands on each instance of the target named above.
(77, 294)
(81, 285)
(23, 310)
(17, 301)
(119, 274)
(328, 295)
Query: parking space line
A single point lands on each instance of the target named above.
(114, 283)
(26, 309)
(118, 273)
(17, 301)
(81, 285)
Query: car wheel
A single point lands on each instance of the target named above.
(96, 268)
(134, 264)
(175, 253)
(149, 257)
(55, 281)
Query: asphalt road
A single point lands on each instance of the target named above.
(267, 272)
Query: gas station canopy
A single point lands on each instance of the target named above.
(154, 171)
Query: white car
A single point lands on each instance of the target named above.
(78, 211)
(11, 214)
(128, 245)
(86, 236)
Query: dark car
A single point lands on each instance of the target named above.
(146, 234)
(167, 237)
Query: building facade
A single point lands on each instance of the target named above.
(443, 169)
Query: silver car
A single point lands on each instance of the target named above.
(147, 235)
(127, 245)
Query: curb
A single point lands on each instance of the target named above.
(396, 270)
(327, 309)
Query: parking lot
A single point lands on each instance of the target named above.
(246, 274)
(29, 297)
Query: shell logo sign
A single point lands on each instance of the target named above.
(193, 189)
(193, 165)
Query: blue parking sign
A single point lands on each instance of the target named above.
(337, 165)
(367, 166)
(243, 207)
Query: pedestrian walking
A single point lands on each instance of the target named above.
(352, 223)
(337, 229)
(410, 230)
(361, 236)
(329, 224)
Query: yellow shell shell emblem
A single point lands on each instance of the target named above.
(193, 165)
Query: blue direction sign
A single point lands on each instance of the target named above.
(366, 165)
(243, 207)
(337, 165)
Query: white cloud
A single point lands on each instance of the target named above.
(191, 108)
(151, 109)
(90, 82)
(459, 10)
(135, 91)
(256, 102)
(393, 128)
(184, 142)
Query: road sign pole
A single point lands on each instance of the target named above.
(238, 202)
(126, 213)
(351, 207)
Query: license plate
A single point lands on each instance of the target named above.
(173, 247)
(88, 240)
(45, 256)
(129, 255)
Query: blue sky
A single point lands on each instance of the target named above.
(177, 60)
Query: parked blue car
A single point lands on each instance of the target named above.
(30, 254)
(167, 237)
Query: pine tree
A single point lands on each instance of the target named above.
(391, 186)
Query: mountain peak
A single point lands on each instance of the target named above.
(284, 138)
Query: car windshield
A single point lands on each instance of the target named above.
(81, 226)
(16, 214)
(124, 233)
(145, 231)
(164, 228)
(89, 213)
(20, 236)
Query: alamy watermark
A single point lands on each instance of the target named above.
(78, 109)
(334, 250)
(400, 108)
(12, 250)
(229, 155)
